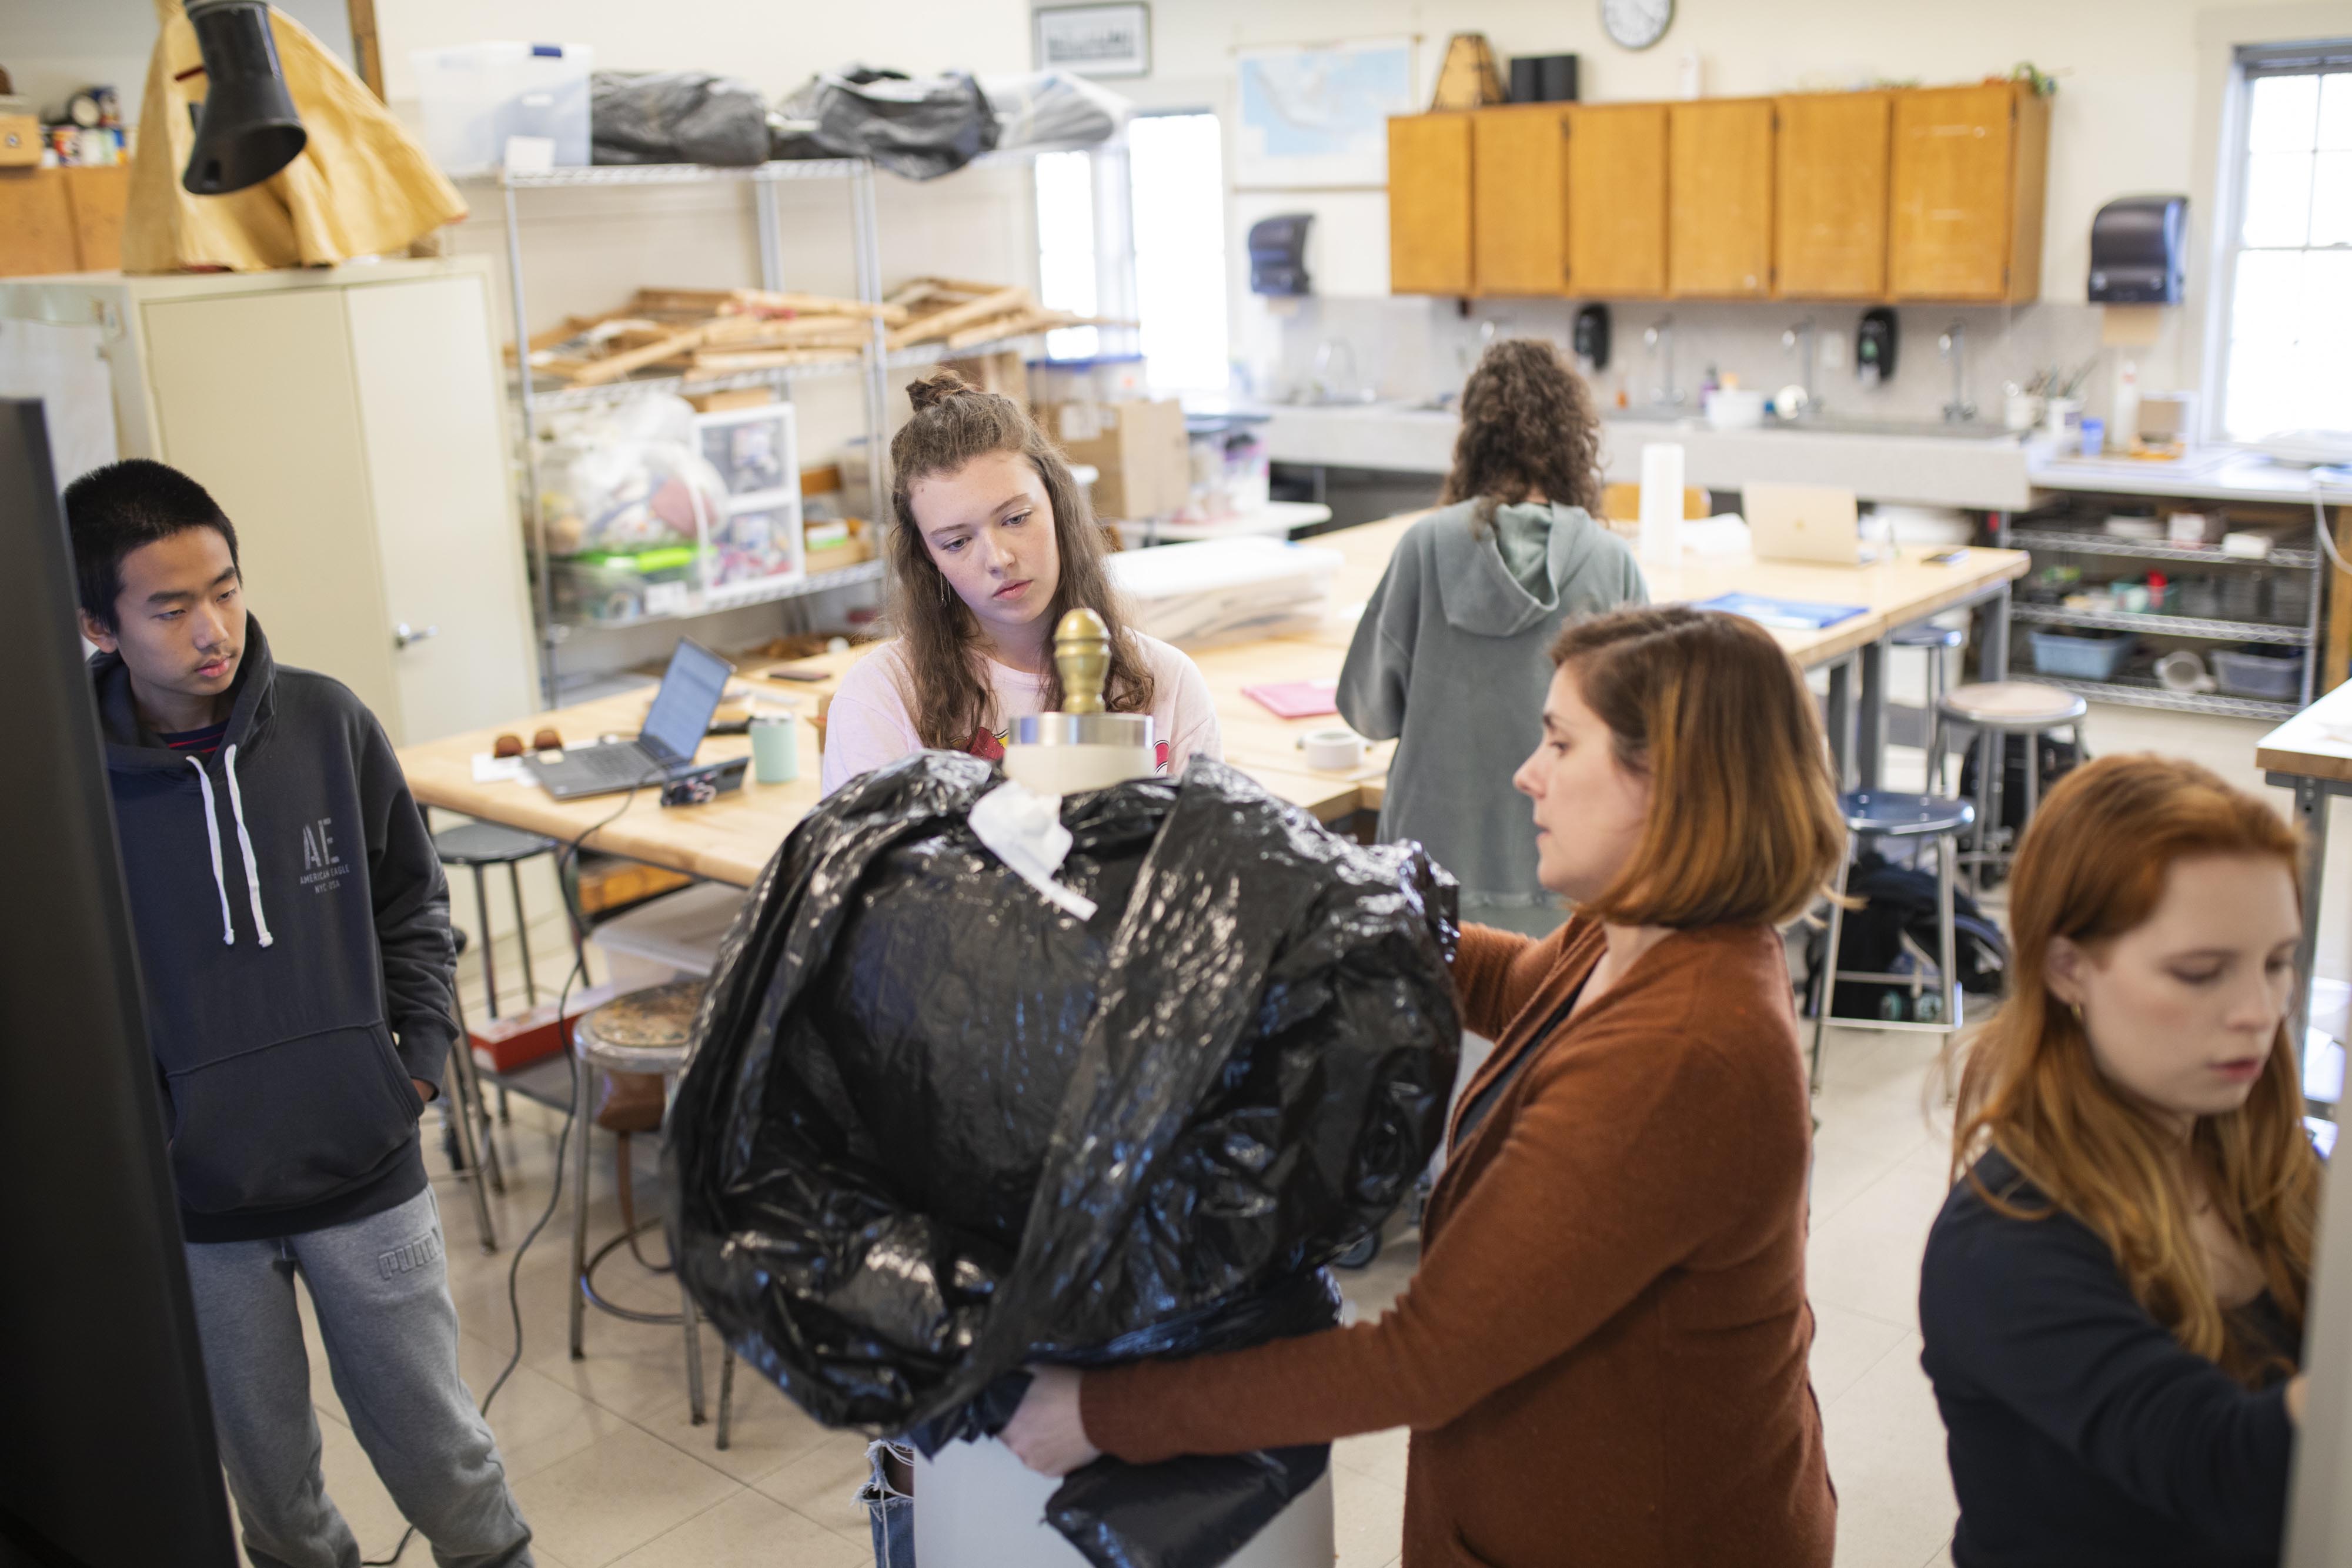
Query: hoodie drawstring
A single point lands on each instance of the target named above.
(244, 843)
(212, 832)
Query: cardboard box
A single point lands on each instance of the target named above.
(517, 1040)
(1141, 448)
(20, 140)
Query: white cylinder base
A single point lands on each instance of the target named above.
(977, 1506)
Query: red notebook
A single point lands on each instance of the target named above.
(1296, 699)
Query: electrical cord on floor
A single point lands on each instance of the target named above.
(578, 972)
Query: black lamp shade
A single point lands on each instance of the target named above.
(247, 129)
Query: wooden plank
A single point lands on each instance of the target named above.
(1430, 203)
(1831, 203)
(612, 367)
(817, 305)
(1719, 199)
(367, 52)
(1518, 203)
(734, 363)
(939, 323)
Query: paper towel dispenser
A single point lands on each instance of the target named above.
(2139, 246)
(1277, 253)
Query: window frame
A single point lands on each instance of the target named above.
(2249, 63)
(1117, 287)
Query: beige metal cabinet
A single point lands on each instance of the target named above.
(351, 423)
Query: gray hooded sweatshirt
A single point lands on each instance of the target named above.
(1453, 659)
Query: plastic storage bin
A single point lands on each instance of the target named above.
(2273, 676)
(2082, 658)
(674, 937)
(476, 96)
(617, 589)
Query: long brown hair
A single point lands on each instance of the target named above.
(2093, 866)
(1529, 424)
(951, 700)
(1743, 823)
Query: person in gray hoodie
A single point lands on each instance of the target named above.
(1451, 658)
(293, 927)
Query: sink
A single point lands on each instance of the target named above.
(1929, 429)
(1650, 414)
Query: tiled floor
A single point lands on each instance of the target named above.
(609, 1471)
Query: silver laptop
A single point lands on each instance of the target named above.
(690, 690)
(1804, 522)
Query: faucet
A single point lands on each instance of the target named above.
(1660, 340)
(1800, 340)
(1954, 345)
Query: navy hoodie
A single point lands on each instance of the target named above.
(294, 937)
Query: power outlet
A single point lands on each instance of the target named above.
(1832, 351)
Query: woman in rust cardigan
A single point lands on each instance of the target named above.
(1603, 1356)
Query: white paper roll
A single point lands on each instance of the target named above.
(1662, 503)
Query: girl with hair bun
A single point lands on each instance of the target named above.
(993, 543)
(2113, 1298)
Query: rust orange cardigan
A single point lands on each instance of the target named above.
(1603, 1356)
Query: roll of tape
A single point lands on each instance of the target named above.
(1332, 750)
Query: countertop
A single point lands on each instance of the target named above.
(1992, 470)
(1985, 471)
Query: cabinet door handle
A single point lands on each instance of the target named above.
(404, 634)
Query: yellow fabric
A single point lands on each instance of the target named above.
(362, 187)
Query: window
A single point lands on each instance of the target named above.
(2289, 248)
(1159, 260)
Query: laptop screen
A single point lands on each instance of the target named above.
(688, 696)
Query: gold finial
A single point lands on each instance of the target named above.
(1082, 654)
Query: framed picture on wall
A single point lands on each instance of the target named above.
(1095, 40)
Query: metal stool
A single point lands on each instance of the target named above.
(1996, 710)
(644, 1031)
(478, 845)
(469, 1120)
(1877, 814)
(1936, 642)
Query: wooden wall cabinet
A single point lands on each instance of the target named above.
(1967, 175)
(1832, 152)
(1719, 199)
(1429, 203)
(61, 220)
(1519, 205)
(1617, 190)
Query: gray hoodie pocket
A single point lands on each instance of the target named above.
(291, 1122)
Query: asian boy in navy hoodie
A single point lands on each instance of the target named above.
(294, 938)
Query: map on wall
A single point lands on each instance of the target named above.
(1319, 116)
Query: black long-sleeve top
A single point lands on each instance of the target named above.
(2081, 1432)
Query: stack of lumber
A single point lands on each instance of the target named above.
(724, 331)
(709, 332)
(962, 315)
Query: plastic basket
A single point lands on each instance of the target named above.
(2276, 677)
(2082, 658)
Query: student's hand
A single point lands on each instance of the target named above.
(425, 1092)
(1047, 1432)
(2297, 1390)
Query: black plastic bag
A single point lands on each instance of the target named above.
(676, 116)
(934, 1128)
(1900, 900)
(920, 128)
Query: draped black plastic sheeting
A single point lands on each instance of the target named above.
(934, 1128)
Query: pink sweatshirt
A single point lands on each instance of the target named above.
(869, 725)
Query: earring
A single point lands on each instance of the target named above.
(2077, 1008)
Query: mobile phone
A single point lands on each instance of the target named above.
(1948, 557)
(798, 673)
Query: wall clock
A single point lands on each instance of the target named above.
(1637, 24)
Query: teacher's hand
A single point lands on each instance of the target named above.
(1047, 1432)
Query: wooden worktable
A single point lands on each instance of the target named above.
(732, 839)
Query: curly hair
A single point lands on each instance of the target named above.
(953, 423)
(1529, 426)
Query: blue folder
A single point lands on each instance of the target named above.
(1782, 614)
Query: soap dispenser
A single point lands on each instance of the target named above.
(1873, 346)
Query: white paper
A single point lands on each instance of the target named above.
(1024, 830)
(490, 768)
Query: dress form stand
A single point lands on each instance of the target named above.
(1084, 746)
(977, 1505)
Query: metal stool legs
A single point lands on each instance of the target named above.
(1947, 978)
(1829, 969)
